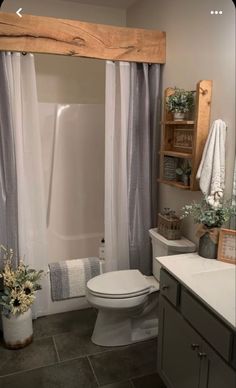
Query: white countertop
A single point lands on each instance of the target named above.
(212, 281)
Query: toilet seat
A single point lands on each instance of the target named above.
(119, 285)
(123, 296)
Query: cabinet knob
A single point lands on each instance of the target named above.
(164, 287)
(202, 354)
(194, 346)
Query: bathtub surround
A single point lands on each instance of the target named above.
(72, 137)
(131, 137)
(21, 83)
(72, 141)
(69, 278)
(8, 177)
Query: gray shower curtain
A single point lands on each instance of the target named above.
(143, 139)
(8, 178)
(233, 218)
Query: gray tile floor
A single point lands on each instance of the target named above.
(63, 356)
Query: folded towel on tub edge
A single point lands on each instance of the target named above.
(69, 278)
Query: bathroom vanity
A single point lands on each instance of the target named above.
(197, 323)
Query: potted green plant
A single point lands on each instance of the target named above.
(16, 298)
(183, 172)
(180, 102)
(211, 213)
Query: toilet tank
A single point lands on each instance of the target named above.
(163, 247)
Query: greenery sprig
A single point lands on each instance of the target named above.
(213, 213)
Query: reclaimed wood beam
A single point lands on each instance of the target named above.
(38, 34)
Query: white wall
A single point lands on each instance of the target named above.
(199, 46)
(65, 79)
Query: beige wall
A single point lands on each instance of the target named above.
(199, 46)
(67, 10)
(65, 79)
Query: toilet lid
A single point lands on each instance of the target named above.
(126, 283)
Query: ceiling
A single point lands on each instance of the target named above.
(123, 4)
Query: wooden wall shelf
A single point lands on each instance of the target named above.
(182, 122)
(177, 184)
(174, 134)
(177, 154)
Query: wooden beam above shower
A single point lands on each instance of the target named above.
(38, 34)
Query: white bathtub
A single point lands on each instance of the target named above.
(62, 306)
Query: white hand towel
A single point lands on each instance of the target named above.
(211, 171)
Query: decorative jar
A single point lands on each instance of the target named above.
(17, 330)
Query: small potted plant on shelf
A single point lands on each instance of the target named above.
(180, 102)
(17, 295)
(211, 213)
(183, 172)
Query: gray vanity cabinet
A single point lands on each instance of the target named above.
(215, 373)
(185, 359)
(178, 361)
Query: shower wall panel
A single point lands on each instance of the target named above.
(73, 156)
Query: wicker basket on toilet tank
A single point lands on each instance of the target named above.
(169, 224)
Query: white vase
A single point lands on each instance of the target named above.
(17, 330)
(179, 116)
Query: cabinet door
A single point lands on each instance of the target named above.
(215, 373)
(178, 360)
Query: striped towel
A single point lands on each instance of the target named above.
(69, 278)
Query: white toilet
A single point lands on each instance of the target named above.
(127, 300)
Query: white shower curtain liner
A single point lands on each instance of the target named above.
(131, 143)
(116, 132)
(30, 188)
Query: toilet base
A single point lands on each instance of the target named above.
(115, 329)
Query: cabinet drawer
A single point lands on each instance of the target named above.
(212, 329)
(169, 287)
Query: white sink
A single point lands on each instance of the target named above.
(219, 288)
(216, 282)
(217, 277)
